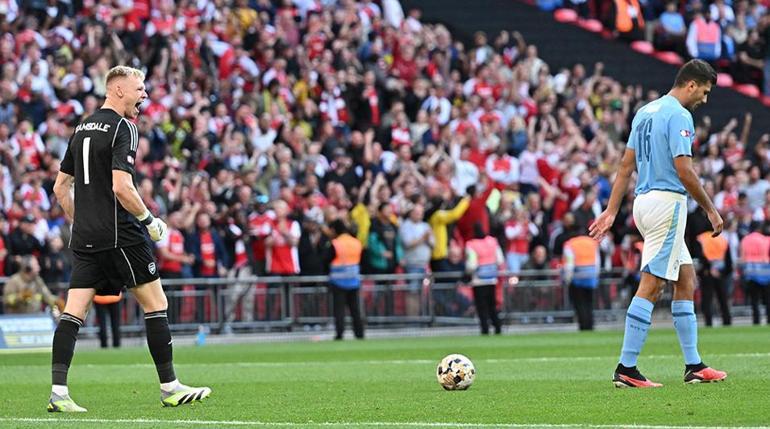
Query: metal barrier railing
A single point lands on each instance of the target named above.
(442, 298)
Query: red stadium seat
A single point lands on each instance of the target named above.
(670, 58)
(565, 15)
(591, 25)
(724, 79)
(643, 47)
(748, 90)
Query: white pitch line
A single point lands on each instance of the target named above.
(358, 424)
(409, 361)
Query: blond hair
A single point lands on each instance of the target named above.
(123, 71)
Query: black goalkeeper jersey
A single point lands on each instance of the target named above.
(103, 142)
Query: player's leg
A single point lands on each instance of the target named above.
(686, 325)
(86, 274)
(638, 322)
(64, 339)
(136, 266)
(153, 301)
(653, 218)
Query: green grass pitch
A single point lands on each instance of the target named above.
(523, 380)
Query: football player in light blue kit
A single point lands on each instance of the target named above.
(660, 150)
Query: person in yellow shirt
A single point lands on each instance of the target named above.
(438, 219)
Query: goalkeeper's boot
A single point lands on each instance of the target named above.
(702, 374)
(631, 377)
(63, 404)
(183, 395)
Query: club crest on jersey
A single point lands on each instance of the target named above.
(685, 133)
(151, 267)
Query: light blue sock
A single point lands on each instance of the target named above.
(686, 326)
(638, 321)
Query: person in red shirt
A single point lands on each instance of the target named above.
(260, 227)
(282, 255)
(477, 212)
(174, 261)
(518, 232)
(210, 257)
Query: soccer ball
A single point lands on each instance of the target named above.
(455, 372)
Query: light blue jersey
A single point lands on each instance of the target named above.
(661, 131)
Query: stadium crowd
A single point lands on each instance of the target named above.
(267, 120)
(733, 35)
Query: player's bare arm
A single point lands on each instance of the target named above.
(691, 182)
(63, 188)
(604, 222)
(128, 196)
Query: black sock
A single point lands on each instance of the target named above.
(159, 341)
(696, 367)
(64, 347)
(631, 371)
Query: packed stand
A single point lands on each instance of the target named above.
(733, 35)
(267, 120)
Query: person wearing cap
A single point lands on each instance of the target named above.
(22, 241)
(344, 260)
(25, 291)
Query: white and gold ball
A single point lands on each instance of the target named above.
(455, 372)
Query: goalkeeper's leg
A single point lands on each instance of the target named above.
(152, 299)
(63, 349)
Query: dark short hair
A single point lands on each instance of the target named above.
(339, 227)
(696, 70)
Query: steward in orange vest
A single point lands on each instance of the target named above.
(581, 274)
(482, 257)
(344, 259)
(755, 271)
(716, 269)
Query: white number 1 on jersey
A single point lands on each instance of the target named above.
(86, 150)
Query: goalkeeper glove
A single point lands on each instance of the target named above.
(156, 227)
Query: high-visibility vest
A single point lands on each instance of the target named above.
(714, 249)
(108, 299)
(755, 255)
(345, 268)
(486, 252)
(584, 254)
(623, 22)
(707, 37)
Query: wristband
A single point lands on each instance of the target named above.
(146, 218)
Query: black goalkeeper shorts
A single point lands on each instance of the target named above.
(110, 270)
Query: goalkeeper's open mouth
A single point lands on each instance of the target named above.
(136, 106)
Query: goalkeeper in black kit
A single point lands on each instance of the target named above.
(109, 236)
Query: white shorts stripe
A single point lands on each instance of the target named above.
(661, 218)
